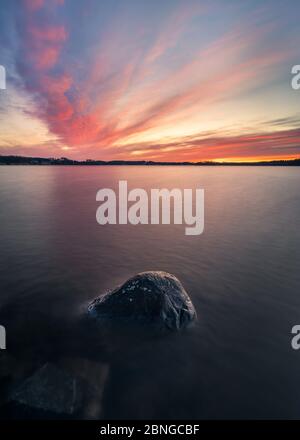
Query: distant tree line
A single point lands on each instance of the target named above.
(23, 160)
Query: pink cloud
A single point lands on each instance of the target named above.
(48, 34)
(46, 58)
(33, 5)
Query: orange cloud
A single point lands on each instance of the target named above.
(255, 146)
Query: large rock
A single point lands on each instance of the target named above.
(148, 298)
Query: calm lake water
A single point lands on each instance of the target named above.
(242, 273)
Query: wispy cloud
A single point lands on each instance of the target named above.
(211, 146)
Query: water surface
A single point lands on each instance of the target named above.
(242, 274)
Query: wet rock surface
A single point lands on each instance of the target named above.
(50, 390)
(156, 298)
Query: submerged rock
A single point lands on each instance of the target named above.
(50, 390)
(148, 298)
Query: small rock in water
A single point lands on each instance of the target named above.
(147, 298)
(51, 390)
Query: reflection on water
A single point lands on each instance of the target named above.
(242, 274)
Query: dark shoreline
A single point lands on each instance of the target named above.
(23, 160)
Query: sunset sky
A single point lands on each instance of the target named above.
(162, 79)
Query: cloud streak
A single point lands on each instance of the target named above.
(215, 146)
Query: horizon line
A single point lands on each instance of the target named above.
(36, 160)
